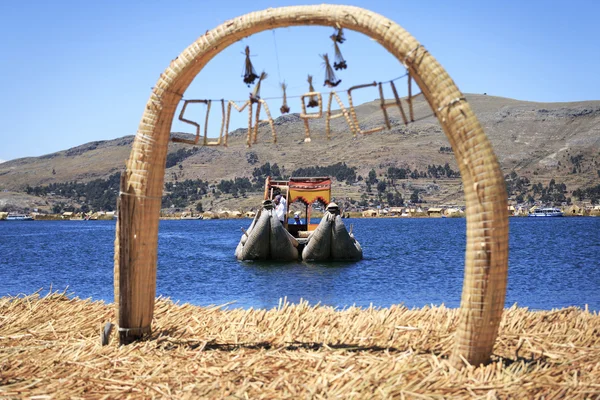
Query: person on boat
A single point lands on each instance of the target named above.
(280, 207)
(297, 220)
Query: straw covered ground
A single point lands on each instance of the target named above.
(50, 348)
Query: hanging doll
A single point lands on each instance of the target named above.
(312, 102)
(249, 73)
(330, 79)
(284, 108)
(338, 36)
(339, 62)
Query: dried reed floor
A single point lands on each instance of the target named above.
(50, 348)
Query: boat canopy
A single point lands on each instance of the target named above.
(309, 190)
(304, 189)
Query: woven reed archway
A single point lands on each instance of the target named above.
(487, 215)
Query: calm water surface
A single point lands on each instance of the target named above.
(552, 263)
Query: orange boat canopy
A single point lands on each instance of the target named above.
(309, 190)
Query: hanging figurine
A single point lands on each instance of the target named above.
(338, 36)
(339, 62)
(284, 108)
(330, 79)
(249, 73)
(255, 95)
(312, 102)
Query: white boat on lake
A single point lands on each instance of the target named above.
(18, 217)
(546, 212)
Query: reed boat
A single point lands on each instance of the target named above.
(270, 238)
(267, 238)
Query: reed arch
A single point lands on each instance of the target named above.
(486, 257)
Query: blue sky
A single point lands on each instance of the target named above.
(76, 71)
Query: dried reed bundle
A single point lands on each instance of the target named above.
(50, 348)
(330, 79)
(255, 95)
(284, 108)
(312, 101)
(249, 73)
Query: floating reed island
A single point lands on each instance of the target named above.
(50, 348)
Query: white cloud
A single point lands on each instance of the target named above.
(1, 161)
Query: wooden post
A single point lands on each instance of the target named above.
(306, 216)
(287, 207)
(410, 100)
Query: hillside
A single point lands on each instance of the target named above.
(539, 141)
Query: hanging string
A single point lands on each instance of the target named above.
(276, 56)
(255, 95)
(249, 72)
(312, 102)
(284, 108)
(330, 79)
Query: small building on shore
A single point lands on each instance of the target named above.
(414, 211)
(370, 213)
(209, 215)
(230, 214)
(435, 212)
(520, 211)
(396, 210)
(453, 212)
(573, 209)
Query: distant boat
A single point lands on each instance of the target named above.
(190, 217)
(18, 217)
(546, 212)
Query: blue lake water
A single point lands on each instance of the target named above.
(553, 263)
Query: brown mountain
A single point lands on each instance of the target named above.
(540, 141)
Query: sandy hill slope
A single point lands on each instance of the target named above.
(538, 140)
